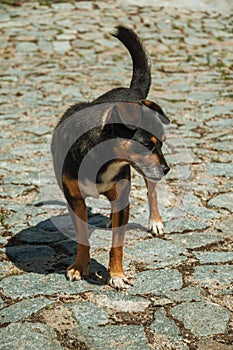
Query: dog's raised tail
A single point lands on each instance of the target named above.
(141, 78)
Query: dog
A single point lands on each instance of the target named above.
(95, 144)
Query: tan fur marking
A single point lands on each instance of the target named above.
(153, 139)
(112, 170)
(72, 185)
(163, 137)
(152, 199)
(115, 262)
(147, 103)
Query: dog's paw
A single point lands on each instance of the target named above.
(76, 272)
(156, 227)
(118, 283)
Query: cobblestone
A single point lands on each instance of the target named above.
(29, 336)
(202, 318)
(157, 282)
(23, 309)
(163, 325)
(211, 274)
(54, 54)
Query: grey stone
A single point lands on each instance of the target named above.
(4, 16)
(15, 218)
(202, 95)
(212, 274)
(161, 301)
(214, 257)
(221, 124)
(179, 172)
(156, 282)
(117, 337)
(45, 45)
(181, 158)
(66, 37)
(158, 253)
(190, 199)
(226, 226)
(1, 303)
(31, 257)
(38, 130)
(3, 240)
(194, 240)
(62, 46)
(28, 285)
(227, 291)
(202, 318)
(221, 169)
(23, 309)
(26, 47)
(88, 315)
(31, 178)
(83, 44)
(169, 214)
(26, 38)
(28, 336)
(100, 238)
(121, 302)
(37, 235)
(163, 325)
(69, 245)
(13, 191)
(183, 224)
(196, 41)
(187, 294)
(201, 212)
(224, 200)
(63, 7)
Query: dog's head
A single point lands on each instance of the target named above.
(141, 137)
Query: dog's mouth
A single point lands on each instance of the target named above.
(153, 173)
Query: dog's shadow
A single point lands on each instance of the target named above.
(44, 249)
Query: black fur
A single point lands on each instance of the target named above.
(141, 78)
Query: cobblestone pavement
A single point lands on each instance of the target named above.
(181, 296)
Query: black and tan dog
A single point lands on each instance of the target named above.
(93, 147)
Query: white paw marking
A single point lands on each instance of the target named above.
(118, 283)
(76, 272)
(155, 227)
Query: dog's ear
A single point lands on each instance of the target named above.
(152, 105)
(128, 113)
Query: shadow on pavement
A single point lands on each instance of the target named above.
(44, 249)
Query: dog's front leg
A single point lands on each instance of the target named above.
(78, 213)
(80, 267)
(120, 217)
(155, 225)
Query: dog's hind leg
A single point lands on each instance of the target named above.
(78, 213)
(120, 215)
(155, 225)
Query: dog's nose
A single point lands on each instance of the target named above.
(166, 169)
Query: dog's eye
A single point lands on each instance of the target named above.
(149, 144)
